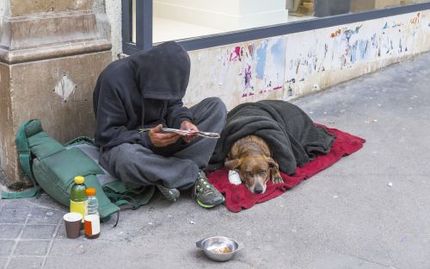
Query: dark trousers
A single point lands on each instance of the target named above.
(175, 166)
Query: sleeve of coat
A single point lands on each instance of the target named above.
(177, 113)
(112, 120)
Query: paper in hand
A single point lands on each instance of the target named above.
(190, 132)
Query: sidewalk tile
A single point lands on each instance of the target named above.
(6, 247)
(69, 247)
(3, 261)
(61, 233)
(38, 231)
(44, 216)
(17, 204)
(10, 231)
(26, 262)
(8, 215)
(32, 248)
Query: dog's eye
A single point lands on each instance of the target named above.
(262, 172)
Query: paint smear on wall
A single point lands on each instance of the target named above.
(260, 66)
(64, 88)
(341, 48)
(268, 59)
(261, 60)
(250, 71)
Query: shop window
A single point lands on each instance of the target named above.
(147, 22)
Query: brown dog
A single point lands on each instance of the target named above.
(251, 156)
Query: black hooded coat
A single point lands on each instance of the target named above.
(139, 91)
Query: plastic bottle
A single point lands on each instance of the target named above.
(92, 219)
(78, 197)
(92, 202)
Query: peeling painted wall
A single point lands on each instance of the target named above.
(293, 65)
(243, 72)
(337, 54)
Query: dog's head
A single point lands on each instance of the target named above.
(254, 171)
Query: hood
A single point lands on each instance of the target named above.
(162, 72)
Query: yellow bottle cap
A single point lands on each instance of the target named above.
(79, 180)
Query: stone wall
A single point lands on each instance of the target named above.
(51, 53)
(6, 123)
(112, 8)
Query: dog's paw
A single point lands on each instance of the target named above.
(277, 179)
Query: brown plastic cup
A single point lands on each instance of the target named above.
(72, 221)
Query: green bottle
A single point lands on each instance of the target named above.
(78, 197)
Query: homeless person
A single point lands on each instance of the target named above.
(145, 91)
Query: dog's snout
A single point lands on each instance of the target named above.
(258, 189)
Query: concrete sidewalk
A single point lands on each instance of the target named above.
(369, 210)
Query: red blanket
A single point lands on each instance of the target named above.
(238, 197)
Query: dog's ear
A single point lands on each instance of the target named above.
(232, 164)
(272, 163)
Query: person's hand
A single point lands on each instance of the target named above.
(160, 139)
(187, 125)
